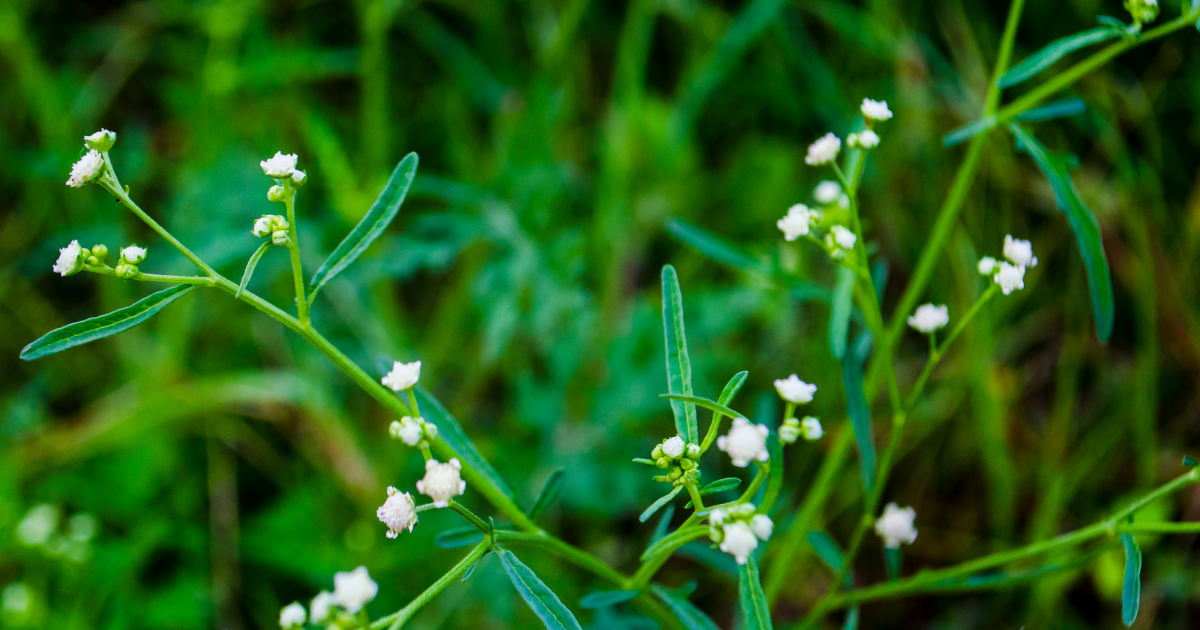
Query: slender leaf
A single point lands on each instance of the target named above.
(373, 223)
(1190, 461)
(710, 245)
(1055, 109)
(1131, 593)
(549, 493)
(1109, 20)
(471, 569)
(674, 540)
(659, 503)
(1083, 223)
(541, 600)
(458, 537)
(731, 389)
(721, 485)
(679, 367)
(968, 131)
(857, 407)
(664, 522)
(258, 253)
(691, 617)
(103, 326)
(827, 550)
(451, 432)
(1055, 50)
(600, 599)
(839, 311)
(643, 460)
(774, 476)
(755, 611)
(706, 403)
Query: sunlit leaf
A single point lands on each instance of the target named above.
(711, 405)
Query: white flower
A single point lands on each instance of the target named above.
(745, 442)
(896, 525)
(298, 178)
(408, 430)
(263, 226)
(70, 259)
(827, 191)
(796, 223)
(403, 376)
(38, 525)
(442, 482)
(1019, 252)
(133, 254)
(987, 266)
(717, 516)
(292, 616)
(674, 446)
(739, 542)
(398, 512)
(823, 151)
(87, 169)
(811, 428)
(101, 141)
(318, 611)
(280, 166)
(866, 139)
(1010, 277)
(875, 110)
(794, 390)
(929, 318)
(844, 238)
(353, 589)
(762, 526)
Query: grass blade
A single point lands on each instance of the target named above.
(107, 325)
(690, 616)
(857, 407)
(1131, 593)
(1056, 109)
(839, 311)
(258, 253)
(549, 493)
(654, 507)
(755, 611)
(710, 245)
(1055, 50)
(679, 367)
(541, 600)
(1083, 224)
(370, 227)
(600, 599)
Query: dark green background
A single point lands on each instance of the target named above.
(233, 469)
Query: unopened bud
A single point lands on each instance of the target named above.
(675, 473)
(280, 237)
(277, 194)
(101, 141)
(100, 252)
(693, 451)
(657, 453)
(687, 464)
(298, 179)
(663, 463)
(126, 271)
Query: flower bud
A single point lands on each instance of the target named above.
(280, 237)
(101, 141)
(693, 451)
(99, 252)
(687, 464)
(663, 463)
(298, 179)
(675, 474)
(133, 255)
(126, 271)
(789, 431)
(657, 453)
(277, 194)
(1143, 11)
(431, 431)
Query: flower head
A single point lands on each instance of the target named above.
(762, 526)
(987, 266)
(408, 430)
(398, 512)
(794, 390)
(745, 442)
(1019, 252)
(86, 170)
(70, 259)
(823, 151)
(929, 318)
(263, 226)
(353, 589)
(739, 541)
(133, 255)
(318, 610)
(403, 376)
(844, 238)
(1010, 277)
(875, 110)
(827, 191)
(811, 429)
(674, 446)
(101, 141)
(292, 616)
(280, 166)
(796, 223)
(442, 482)
(298, 178)
(895, 526)
(865, 139)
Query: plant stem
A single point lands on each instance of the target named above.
(697, 501)
(1186, 527)
(289, 201)
(154, 277)
(118, 191)
(470, 516)
(398, 618)
(937, 352)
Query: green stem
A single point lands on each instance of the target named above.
(289, 201)
(397, 619)
(114, 187)
(763, 469)
(155, 277)
(937, 352)
(697, 500)
(1187, 527)
(470, 516)
(574, 555)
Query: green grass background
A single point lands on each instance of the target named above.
(232, 469)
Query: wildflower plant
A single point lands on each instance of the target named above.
(743, 527)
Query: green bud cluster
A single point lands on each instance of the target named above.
(95, 257)
(1142, 11)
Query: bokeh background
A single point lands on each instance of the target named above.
(207, 468)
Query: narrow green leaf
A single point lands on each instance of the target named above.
(827, 550)
(690, 616)
(373, 223)
(541, 600)
(1083, 223)
(839, 311)
(857, 407)
(1131, 593)
(451, 432)
(755, 611)
(258, 253)
(1055, 109)
(549, 493)
(710, 245)
(471, 569)
(1109, 20)
(706, 403)
(457, 537)
(600, 599)
(659, 503)
(674, 540)
(643, 460)
(968, 131)
(721, 485)
(1055, 50)
(731, 389)
(664, 522)
(103, 326)
(774, 476)
(679, 367)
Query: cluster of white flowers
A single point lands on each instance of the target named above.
(865, 139)
(414, 431)
(738, 529)
(274, 226)
(798, 221)
(895, 526)
(794, 390)
(40, 528)
(283, 167)
(398, 512)
(351, 591)
(745, 442)
(404, 376)
(792, 429)
(1009, 274)
(929, 318)
(442, 481)
(131, 257)
(825, 149)
(875, 110)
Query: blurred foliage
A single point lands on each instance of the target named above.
(230, 469)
